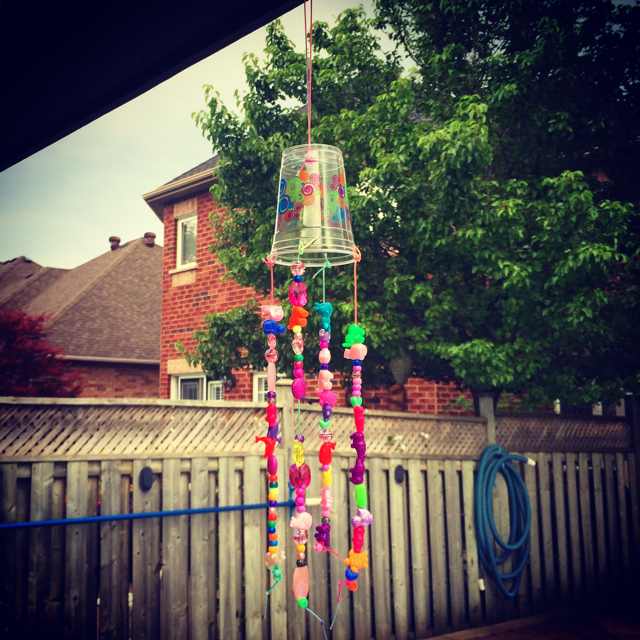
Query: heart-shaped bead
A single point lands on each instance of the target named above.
(324, 424)
(355, 402)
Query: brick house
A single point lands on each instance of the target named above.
(105, 314)
(192, 287)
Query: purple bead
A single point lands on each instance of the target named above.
(359, 444)
(324, 366)
(299, 388)
(273, 503)
(357, 472)
(300, 438)
(325, 467)
(271, 394)
(298, 294)
(326, 410)
(272, 465)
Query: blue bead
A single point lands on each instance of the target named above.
(297, 278)
(324, 366)
(273, 503)
(273, 543)
(350, 575)
(271, 529)
(357, 363)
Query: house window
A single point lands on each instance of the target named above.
(187, 227)
(260, 387)
(196, 387)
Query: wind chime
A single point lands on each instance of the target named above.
(313, 229)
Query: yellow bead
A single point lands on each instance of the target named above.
(300, 548)
(298, 453)
(273, 549)
(327, 479)
(273, 496)
(297, 329)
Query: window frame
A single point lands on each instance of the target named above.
(205, 386)
(179, 244)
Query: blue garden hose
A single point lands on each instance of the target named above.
(496, 460)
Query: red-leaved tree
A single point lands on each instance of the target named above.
(28, 365)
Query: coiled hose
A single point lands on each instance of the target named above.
(496, 460)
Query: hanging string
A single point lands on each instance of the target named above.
(321, 621)
(273, 586)
(326, 265)
(270, 260)
(335, 615)
(357, 256)
(308, 56)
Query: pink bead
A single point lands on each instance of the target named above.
(300, 501)
(299, 388)
(272, 465)
(298, 364)
(326, 513)
(356, 394)
(271, 376)
(298, 373)
(271, 341)
(323, 345)
(272, 510)
(325, 467)
(271, 355)
(324, 356)
(300, 509)
(357, 368)
(298, 346)
(298, 268)
(298, 294)
(357, 384)
(300, 555)
(300, 492)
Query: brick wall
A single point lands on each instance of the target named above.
(189, 295)
(101, 380)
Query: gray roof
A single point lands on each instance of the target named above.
(108, 307)
(211, 164)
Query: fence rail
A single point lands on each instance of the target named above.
(202, 576)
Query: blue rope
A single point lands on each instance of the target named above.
(496, 460)
(138, 516)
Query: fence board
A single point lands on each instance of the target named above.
(54, 608)
(212, 564)
(561, 526)
(574, 525)
(506, 607)
(8, 544)
(613, 548)
(175, 537)
(76, 567)
(530, 479)
(41, 508)
(437, 546)
(363, 598)
(93, 558)
(545, 521)
(341, 539)
(199, 551)
(380, 549)
(635, 511)
(254, 547)
(112, 610)
(318, 562)
(146, 558)
(596, 462)
(585, 517)
(280, 595)
(227, 562)
(399, 572)
(473, 588)
(419, 550)
(454, 544)
(622, 510)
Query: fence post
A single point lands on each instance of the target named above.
(486, 401)
(285, 400)
(635, 436)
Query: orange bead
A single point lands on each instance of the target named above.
(300, 548)
(353, 586)
(273, 550)
(273, 536)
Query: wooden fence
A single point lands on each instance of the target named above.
(203, 576)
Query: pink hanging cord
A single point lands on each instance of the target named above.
(308, 59)
(270, 261)
(357, 256)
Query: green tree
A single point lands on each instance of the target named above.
(491, 187)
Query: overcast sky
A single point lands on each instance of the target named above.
(60, 206)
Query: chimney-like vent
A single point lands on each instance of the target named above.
(149, 238)
(115, 242)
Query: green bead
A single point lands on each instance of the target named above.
(355, 402)
(302, 603)
(324, 424)
(273, 485)
(299, 358)
(277, 574)
(361, 496)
